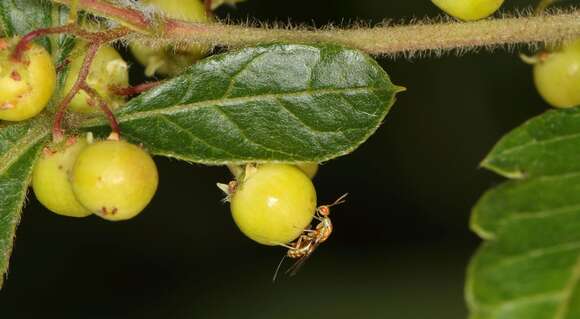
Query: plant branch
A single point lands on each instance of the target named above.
(26, 39)
(57, 131)
(116, 131)
(208, 4)
(380, 40)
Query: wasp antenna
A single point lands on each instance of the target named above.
(278, 269)
(340, 200)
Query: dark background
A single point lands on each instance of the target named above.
(401, 243)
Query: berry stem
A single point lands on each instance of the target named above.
(137, 89)
(104, 36)
(379, 40)
(29, 37)
(105, 108)
(57, 131)
(208, 5)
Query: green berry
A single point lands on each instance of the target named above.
(310, 169)
(114, 179)
(469, 10)
(557, 76)
(51, 178)
(274, 204)
(27, 85)
(169, 60)
(108, 71)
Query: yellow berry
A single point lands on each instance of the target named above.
(169, 60)
(114, 179)
(51, 178)
(310, 169)
(27, 85)
(557, 76)
(469, 10)
(108, 71)
(274, 204)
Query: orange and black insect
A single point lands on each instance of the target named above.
(307, 243)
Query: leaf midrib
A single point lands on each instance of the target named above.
(125, 117)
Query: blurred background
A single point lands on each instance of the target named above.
(401, 243)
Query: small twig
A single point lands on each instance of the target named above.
(26, 39)
(137, 89)
(208, 10)
(103, 36)
(379, 40)
(105, 108)
(57, 131)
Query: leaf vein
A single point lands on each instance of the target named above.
(231, 101)
(245, 135)
(171, 122)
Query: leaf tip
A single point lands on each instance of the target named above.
(399, 89)
(489, 164)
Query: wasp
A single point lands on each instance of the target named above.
(310, 239)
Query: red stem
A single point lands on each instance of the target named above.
(136, 18)
(105, 108)
(208, 10)
(57, 131)
(133, 90)
(26, 39)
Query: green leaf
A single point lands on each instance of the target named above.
(289, 103)
(547, 145)
(18, 17)
(529, 266)
(20, 145)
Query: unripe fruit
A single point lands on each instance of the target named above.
(310, 169)
(114, 179)
(51, 178)
(171, 60)
(557, 76)
(26, 85)
(108, 71)
(274, 204)
(469, 10)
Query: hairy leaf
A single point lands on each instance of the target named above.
(529, 267)
(287, 103)
(18, 17)
(19, 147)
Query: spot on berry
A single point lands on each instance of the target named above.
(15, 76)
(6, 106)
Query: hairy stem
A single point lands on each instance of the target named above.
(26, 39)
(380, 40)
(57, 131)
(137, 89)
(116, 131)
(208, 4)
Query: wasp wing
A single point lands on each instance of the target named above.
(300, 262)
